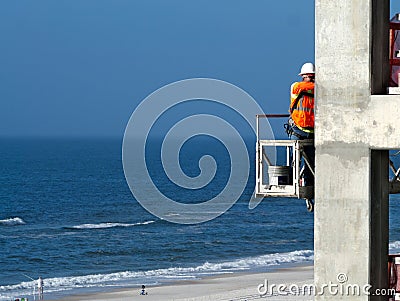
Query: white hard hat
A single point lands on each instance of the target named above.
(307, 68)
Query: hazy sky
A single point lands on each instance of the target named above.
(79, 68)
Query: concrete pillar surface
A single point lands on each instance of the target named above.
(355, 126)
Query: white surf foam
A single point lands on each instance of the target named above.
(53, 285)
(161, 275)
(14, 221)
(109, 225)
(394, 247)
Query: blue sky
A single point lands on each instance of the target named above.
(79, 68)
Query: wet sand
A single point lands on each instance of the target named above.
(231, 287)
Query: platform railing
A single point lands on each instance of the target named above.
(259, 116)
(269, 184)
(295, 149)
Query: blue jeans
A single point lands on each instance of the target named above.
(310, 153)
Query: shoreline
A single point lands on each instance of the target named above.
(235, 286)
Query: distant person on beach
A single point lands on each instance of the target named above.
(143, 291)
(40, 287)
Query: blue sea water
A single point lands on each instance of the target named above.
(67, 215)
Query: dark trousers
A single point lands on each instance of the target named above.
(310, 153)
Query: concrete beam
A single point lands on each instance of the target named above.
(375, 124)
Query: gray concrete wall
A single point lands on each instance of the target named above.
(353, 129)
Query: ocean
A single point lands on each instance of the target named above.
(67, 215)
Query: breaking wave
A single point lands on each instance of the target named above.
(108, 225)
(394, 247)
(54, 285)
(14, 221)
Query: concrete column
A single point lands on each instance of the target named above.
(351, 192)
(379, 220)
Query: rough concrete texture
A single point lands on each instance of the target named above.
(354, 130)
(375, 124)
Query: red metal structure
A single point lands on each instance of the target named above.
(394, 47)
(394, 276)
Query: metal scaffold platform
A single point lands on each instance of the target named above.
(283, 180)
(286, 179)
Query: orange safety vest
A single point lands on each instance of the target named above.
(302, 105)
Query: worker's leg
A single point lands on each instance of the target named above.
(308, 176)
(310, 153)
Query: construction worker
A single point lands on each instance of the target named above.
(302, 103)
(301, 121)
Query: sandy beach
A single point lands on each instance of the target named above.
(234, 287)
